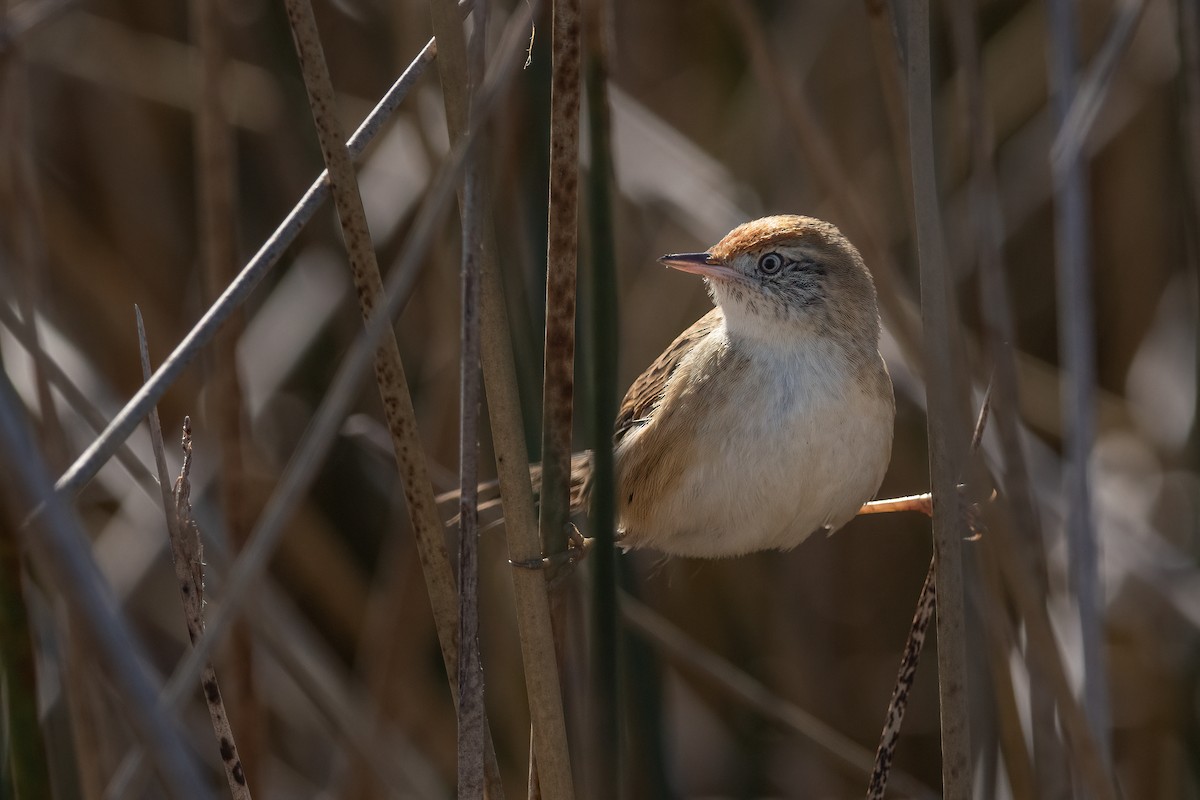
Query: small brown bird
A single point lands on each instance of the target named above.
(771, 417)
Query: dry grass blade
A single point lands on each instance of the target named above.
(59, 547)
(1077, 344)
(944, 414)
(512, 458)
(315, 444)
(187, 556)
(123, 424)
(689, 655)
(562, 252)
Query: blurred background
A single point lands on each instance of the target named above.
(722, 111)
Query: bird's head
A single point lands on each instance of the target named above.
(785, 275)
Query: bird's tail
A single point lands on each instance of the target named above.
(491, 510)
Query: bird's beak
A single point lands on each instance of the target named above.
(699, 264)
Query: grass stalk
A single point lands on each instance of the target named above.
(549, 736)
(187, 557)
(471, 717)
(606, 766)
(562, 252)
(945, 415)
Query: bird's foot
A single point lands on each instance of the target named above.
(923, 503)
(559, 565)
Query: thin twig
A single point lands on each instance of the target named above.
(944, 414)
(124, 423)
(61, 550)
(187, 556)
(315, 444)
(1077, 344)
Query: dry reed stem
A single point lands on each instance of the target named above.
(688, 655)
(315, 444)
(606, 772)
(944, 415)
(562, 252)
(389, 369)
(61, 550)
(549, 735)
(1077, 347)
(926, 606)
(471, 718)
(217, 209)
(123, 424)
(187, 557)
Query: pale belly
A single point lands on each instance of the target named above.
(762, 472)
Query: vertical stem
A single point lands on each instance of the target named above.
(1077, 348)
(549, 737)
(561, 254)
(944, 417)
(470, 678)
(604, 776)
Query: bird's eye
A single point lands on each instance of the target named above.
(770, 263)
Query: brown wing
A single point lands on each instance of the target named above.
(648, 389)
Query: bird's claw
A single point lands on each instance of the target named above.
(558, 565)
